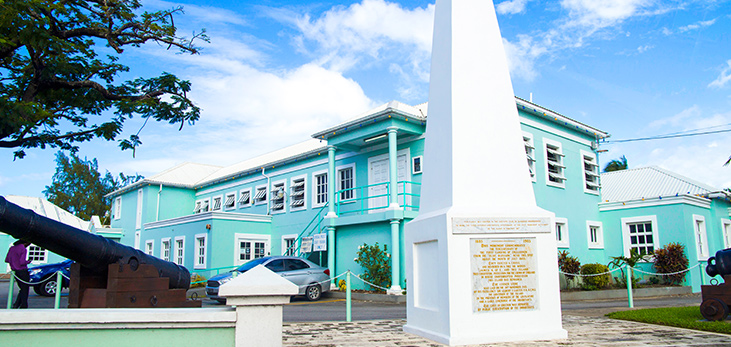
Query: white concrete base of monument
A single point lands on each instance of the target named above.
(395, 290)
(488, 278)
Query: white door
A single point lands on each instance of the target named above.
(378, 177)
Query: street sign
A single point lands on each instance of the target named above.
(320, 242)
(306, 246)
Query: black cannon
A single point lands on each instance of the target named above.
(106, 273)
(715, 297)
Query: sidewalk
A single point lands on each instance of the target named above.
(583, 331)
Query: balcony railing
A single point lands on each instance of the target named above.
(376, 197)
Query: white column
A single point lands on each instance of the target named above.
(478, 218)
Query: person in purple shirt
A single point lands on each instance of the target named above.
(17, 258)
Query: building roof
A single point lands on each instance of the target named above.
(649, 182)
(268, 160)
(184, 175)
(47, 209)
(372, 114)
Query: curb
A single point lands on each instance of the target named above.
(396, 299)
(622, 293)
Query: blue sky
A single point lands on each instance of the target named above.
(276, 72)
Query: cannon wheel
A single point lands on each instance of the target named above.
(714, 309)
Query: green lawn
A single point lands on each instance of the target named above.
(683, 317)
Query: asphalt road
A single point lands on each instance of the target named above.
(329, 309)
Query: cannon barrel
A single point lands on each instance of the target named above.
(92, 251)
(719, 264)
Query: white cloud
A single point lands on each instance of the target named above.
(723, 78)
(511, 7)
(368, 33)
(645, 48)
(695, 26)
(679, 120)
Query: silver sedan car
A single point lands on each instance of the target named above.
(312, 279)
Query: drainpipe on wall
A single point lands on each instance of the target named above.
(268, 181)
(157, 213)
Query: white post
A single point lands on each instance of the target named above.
(258, 295)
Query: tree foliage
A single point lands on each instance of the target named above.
(377, 263)
(671, 260)
(79, 188)
(56, 90)
(617, 164)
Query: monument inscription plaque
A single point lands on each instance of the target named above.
(462, 225)
(503, 274)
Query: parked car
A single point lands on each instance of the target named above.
(310, 277)
(45, 276)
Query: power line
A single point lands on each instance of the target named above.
(662, 137)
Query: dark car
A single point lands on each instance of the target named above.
(312, 279)
(45, 276)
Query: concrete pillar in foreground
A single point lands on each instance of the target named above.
(258, 295)
(480, 259)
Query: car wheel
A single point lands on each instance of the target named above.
(313, 292)
(46, 288)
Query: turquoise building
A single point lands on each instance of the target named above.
(360, 182)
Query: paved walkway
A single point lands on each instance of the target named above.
(583, 331)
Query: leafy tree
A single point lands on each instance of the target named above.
(616, 165)
(377, 263)
(79, 188)
(57, 91)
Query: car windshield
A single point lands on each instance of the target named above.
(248, 266)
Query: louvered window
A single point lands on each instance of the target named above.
(277, 197)
(591, 173)
(261, 195)
(230, 201)
(245, 198)
(216, 204)
(297, 193)
(554, 165)
(530, 152)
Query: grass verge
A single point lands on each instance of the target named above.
(682, 317)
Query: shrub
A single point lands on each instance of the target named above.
(598, 281)
(197, 281)
(568, 264)
(631, 261)
(669, 259)
(377, 263)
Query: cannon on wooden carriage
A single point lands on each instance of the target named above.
(106, 273)
(716, 297)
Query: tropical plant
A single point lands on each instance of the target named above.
(59, 68)
(617, 164)
(596, 281)
(631, 261)
(670, 260)
(568, 265)
(377, 265)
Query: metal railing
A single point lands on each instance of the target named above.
(307, 231)
(372, 197)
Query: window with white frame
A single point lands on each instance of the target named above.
(297, 193)
(37, 254)
(277, 197)
(417, 164)
(165, 249)
(149, 247)
(562, 232)
(726, 232)
(319, 187)
(205, 205)
(230, 201)
(701, 238)
(245, 198)
(289, 244)
(217, 203)
(200, 251)
(251, 249)
(555, 169)
(640, 235)
(591, 172)
(117, 207)
(346, 182)
(261, 195)
(179, 250)
(595, 234)
(530, 153)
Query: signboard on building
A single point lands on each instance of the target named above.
(306, 246)
(320, 242)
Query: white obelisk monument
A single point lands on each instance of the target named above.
(481, 259)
